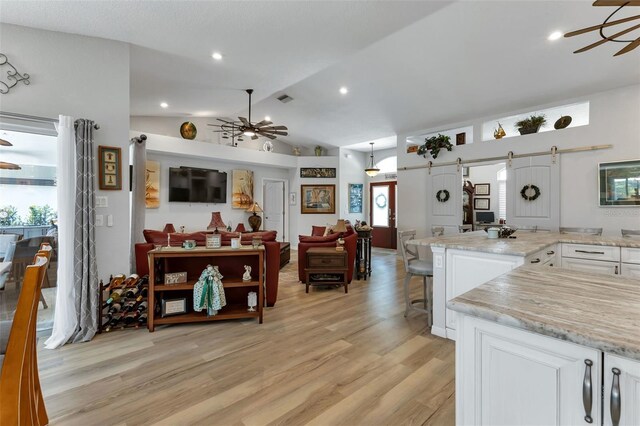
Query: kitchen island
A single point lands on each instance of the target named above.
(549, 346)
(462, 262)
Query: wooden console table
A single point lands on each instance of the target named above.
(326, 266)
(230, 263)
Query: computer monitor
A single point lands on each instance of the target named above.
(485, 217)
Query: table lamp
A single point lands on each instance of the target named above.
(254, 220)
(341, 228)
(216, 222)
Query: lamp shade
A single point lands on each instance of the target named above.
(216, 221)
(340, 226)
(255, 208)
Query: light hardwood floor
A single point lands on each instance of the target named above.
(322, 358)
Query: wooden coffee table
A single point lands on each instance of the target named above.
(326, 266)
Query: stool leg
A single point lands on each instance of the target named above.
(407, 299)
(424, 292)
(430, 303)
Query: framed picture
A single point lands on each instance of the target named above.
(412, 148)
(213, 241)
(318, 199)
(314, 172)
(173, 307)
(292, 198)
(355, 197)
(461, 138)
(173, 278)
(242, 189)
(482, 189)
(110, 168)
(152, 185)
(619, 183)
(481, 203)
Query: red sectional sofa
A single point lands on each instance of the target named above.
(317, 240)
(272, 253)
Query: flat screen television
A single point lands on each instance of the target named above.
(619, 183)
(192, 185)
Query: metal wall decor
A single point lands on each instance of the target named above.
(317, 172)
(13, 76)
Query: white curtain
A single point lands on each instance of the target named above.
(65, 318)
(138, 207)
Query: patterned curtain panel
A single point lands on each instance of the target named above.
(84, 256)
(138, 208)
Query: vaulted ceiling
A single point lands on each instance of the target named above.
(407, 65)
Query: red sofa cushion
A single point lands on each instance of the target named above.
(248, 236)
(312, 239)
(160, 237)
(317, 231)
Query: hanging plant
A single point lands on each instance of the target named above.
(434, 144)
(530, 192)
(443, 196)
(530, 124)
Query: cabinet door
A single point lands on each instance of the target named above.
(507, 376)
(595, 266)
(628, 389)
(631, 270)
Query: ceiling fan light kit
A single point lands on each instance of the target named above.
(631, 43)
(245, 127)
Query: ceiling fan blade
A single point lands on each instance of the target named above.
(224, 121)
(597, 27)
(263, 123)
(245, 121)
(9, 166)
(604, 40)
(275, 132)
(266, 135)
(5, 143)
(629, 47)
(279, 127)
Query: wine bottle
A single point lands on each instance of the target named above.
(116, 282)
(131, 280)
(114, 309)
(143, 306)
(113, 297)
(142, 320)
(114, 321)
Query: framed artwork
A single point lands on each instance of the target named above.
(619, 183)
(152, 185)
(461, 138)
(318, 199)
(482, 189)
(292, 198)
(355, 197)
(412, 148)
(481, 203)
(242, 189)
(315, 172)
(110, 168)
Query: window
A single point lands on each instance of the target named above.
(502, 193)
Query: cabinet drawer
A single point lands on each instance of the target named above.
(586, 251)
(326, 261)
(543, 257)
(631, 270)
(630, 255)
(595, 266)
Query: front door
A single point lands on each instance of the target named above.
(382, 208)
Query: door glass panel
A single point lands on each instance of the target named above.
(381, 206)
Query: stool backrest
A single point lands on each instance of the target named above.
(586, 231)
(465, 228)
(407, 253)
(437, 231)
(629, 233)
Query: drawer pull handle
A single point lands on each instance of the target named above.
(589, 252)
(536, 260)
(551, 253)
(616, 400)
(587, 391)
(616, 272)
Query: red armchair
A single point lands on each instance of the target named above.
(272, 253)
(350, 242)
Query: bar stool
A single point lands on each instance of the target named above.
(422, 268)
(630, 233)
(586, 231)
(465, 228)
(437, 231)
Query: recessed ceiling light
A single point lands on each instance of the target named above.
(164, 105)
(554, 36)
(267, 118)
(344, 90)
(217, 56)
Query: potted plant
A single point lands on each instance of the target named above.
(434, 144)
(530, 124)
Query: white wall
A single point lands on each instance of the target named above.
(614, 120)
(83, 77)
(487, 174)
(352, 165)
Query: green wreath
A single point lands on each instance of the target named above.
(443, 196)
(381, 201)
(524, 192)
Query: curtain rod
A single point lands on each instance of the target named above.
(510, 155)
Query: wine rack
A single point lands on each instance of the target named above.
(130, 306)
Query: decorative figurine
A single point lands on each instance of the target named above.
(208, 292)
(247, 273)
(252, 301)
(499, 133)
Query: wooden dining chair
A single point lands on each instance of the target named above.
(45, 250)
(21, 401)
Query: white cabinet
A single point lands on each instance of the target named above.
(630, 257)
(595, 266)
(631, 270)
(545, 257)
(621, 391)
(507, 376)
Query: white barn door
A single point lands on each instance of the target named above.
(444, 213)
(544, 173)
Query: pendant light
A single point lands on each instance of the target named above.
(372, 170)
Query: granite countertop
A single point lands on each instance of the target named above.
(598, 311)
(524, 244)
